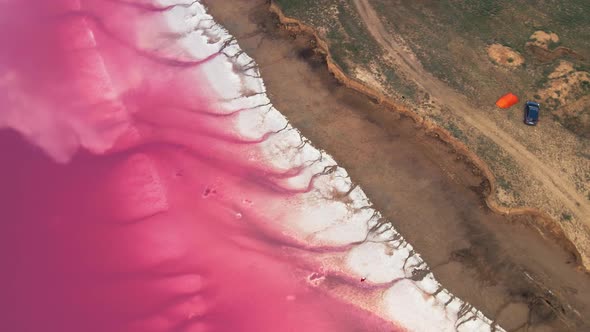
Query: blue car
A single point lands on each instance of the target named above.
(531, 113)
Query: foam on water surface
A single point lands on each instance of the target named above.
(152, 186)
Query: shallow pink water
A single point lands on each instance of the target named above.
(155, 222)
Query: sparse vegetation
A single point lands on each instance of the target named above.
(494, 155)
(455, 131)
(298, 6)
(503, 166)
(394, 81)
(350, 42)
(450, 40)
(579, 124)
(504, 184)
(553, 45)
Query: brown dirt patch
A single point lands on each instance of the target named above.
(567, 92)
(543, 46)
(505, 56)
(564, 68)
(367, 77)
(565, 85)
(543, 39)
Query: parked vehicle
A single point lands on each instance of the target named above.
(531, 113)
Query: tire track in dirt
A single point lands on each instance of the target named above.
(558, 187)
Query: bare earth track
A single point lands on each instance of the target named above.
(558, 187)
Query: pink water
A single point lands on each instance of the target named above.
(123, 210)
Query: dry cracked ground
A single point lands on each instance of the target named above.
(502, 264)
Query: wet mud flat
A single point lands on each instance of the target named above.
(433, 196)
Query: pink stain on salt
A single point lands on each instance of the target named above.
(125, 205)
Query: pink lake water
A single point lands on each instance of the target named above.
(149, 185)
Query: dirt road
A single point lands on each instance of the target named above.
(407, 63)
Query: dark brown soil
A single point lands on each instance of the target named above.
(545, 55)
(433, 196)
